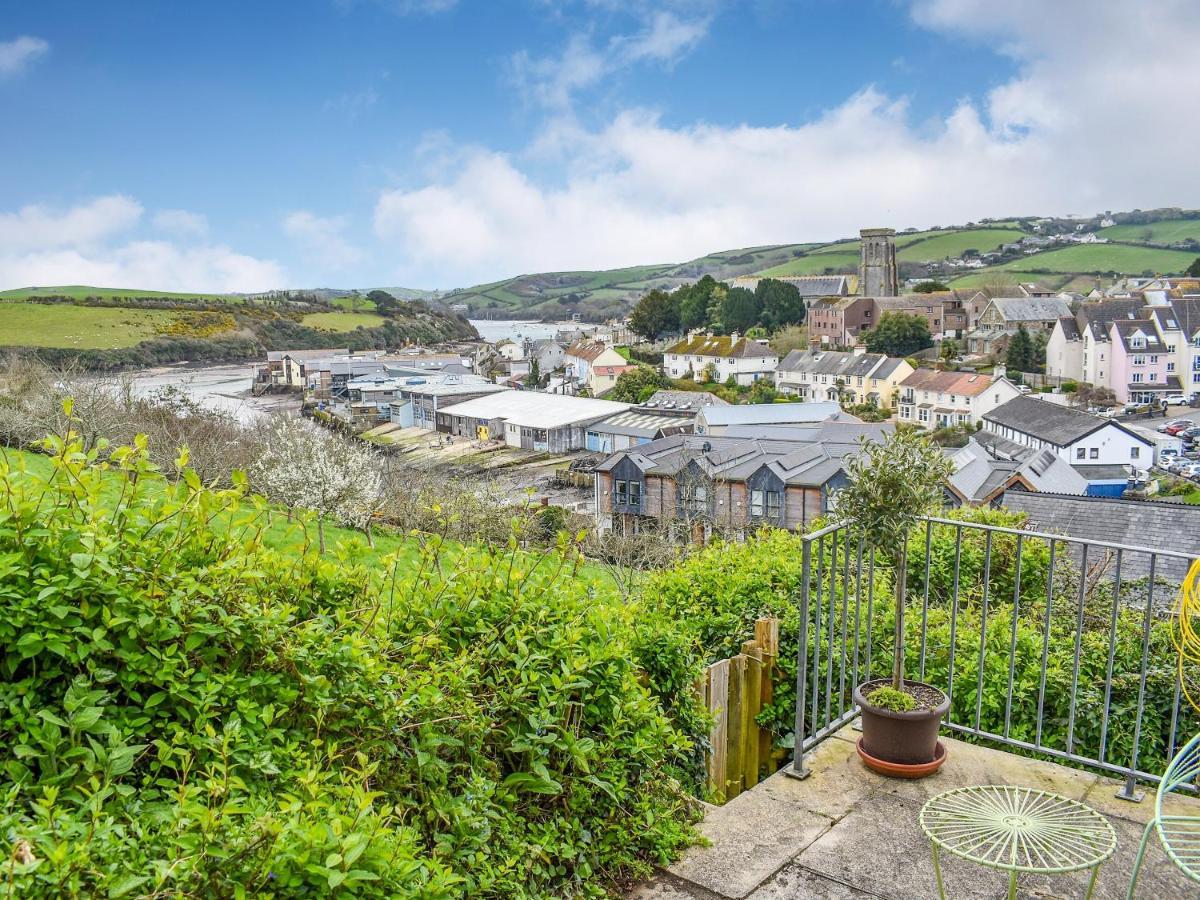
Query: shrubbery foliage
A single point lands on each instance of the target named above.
(189, 713)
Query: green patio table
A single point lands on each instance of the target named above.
(1017, 829)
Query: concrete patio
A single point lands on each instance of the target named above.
(845, 832)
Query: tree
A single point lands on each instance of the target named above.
(535, 373)
(694, 301)
(781, 303)
(899, 334)
(1194, 269)
(740, 310)
(763, 391)
(949, 351)
(637, 385)
(891, 485)
(929, 287)
(1020, 352)
(385, 303)
(656, 314)
(304, 466)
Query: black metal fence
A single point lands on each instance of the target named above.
(1046, 645)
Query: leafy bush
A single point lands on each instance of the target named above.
(188, 712)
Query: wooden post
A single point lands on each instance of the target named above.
(751, 706)
(735, 742)
(766, 635)
(718, 704)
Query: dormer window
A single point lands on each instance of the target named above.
(1137, 342)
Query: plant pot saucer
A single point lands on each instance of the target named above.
(903, 770)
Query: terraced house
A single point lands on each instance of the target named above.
(698, 483)
(853, 377)
(935, 399)
(723, 356)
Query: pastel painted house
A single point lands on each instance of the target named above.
(1139, 362)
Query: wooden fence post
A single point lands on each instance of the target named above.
(736, 741)
(717, 698)
(751, 706)
(766, 635)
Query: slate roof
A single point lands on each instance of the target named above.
(721, 345)
(1187, 312)
(831, 362)
(1127, 328)
(968, 384)
(818, 285)
(1099, 316)
(1070, 328)
(979, 475)
(1031, 309)
(588, 350)
(1057, 425)
(1159, 525)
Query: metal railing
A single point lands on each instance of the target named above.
(1046, 645)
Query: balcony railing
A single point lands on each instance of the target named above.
(1047, 645)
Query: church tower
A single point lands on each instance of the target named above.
(877, 269)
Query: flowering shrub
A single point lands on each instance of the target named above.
(187, 712)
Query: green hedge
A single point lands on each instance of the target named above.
(187, 712)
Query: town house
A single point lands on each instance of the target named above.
(933, 399)
(723, 356)
(854, 377)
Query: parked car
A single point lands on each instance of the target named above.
(1175, 400)
(1133, 409)
(1174, 465)
(1189, 434)
(1177, 426)
(1189, 470)
(1167, 454)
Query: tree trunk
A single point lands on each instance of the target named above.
(321, 533)
(901, 592)
(370, 538)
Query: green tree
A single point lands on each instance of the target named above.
(763, 391)
(1194, 269)
(694, 301)
(781, 303)
(1020, 352)
(385, 303)
(637, 385)
(929, 287)
(535, 373)
(899, 334)
(656, 314)
(950, 350)
(740, 310)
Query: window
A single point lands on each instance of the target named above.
(1138, 376)
(1081, 453)
(1170, 348)
(758, 503)
(923, 415)
(1153, 360)
(1094, 453)
(1139, 360)
(635, 493)
(774, 505)
(1170, 367)
(619, 491)
(695, 498)
(1134, 452)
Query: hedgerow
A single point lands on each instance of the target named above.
(187, 712)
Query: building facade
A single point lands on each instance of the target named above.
(933, 399)
(854, 377)
(721, 356)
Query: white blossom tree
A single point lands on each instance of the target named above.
(302, 466)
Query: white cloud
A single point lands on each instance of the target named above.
(181, 222)
(96, 243)
(322, 239)
(664, 37)
(18, 53)
(1096, 116)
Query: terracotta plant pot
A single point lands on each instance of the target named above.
(903, 738)
(900, 770)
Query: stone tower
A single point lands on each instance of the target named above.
(877, 269)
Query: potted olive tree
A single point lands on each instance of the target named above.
(891, 485)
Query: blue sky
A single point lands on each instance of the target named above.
(435, 143)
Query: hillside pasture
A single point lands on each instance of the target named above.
(938, 245)
(1167, 231)
(341, 321)
(83, 291)
(78, 327)
(1121, 258)
(816, 264)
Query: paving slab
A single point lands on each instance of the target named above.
(752, 837)
(1103, 798)
(798, 883)
(662, 888)
(839, 781)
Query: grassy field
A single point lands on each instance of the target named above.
(77, 327)
(341, 321)
(942, 245)
(1106, 258)
(1172, 231)
(816, 264)
(80, 291)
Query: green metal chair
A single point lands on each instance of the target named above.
(1180, 835)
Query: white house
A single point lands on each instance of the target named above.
(583, 356)
(933, 399)
(723, 356)
(1075, 436)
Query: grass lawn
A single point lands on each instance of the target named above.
(353, 304)
(341, 321)
(1166, 232)
(80, 291)
(77, 327)
(1106, 258)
